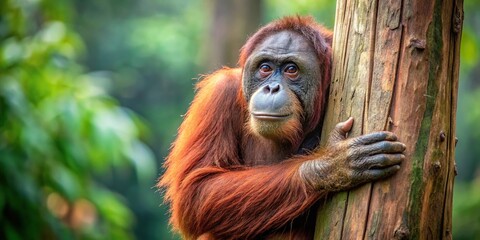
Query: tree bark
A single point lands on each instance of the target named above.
(396, 68)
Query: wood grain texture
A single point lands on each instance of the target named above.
(396, 68)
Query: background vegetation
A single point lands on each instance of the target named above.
(92, 92)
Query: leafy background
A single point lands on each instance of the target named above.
(92, 92)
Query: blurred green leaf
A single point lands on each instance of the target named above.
(110, 206)
(466, 219)
(12, 51)
(53, 33)
(66, 183)
(469, 50)
(143, 161)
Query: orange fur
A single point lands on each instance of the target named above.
(222, 181)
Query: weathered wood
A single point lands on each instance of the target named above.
(396, 68)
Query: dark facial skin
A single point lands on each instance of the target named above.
(280, 81)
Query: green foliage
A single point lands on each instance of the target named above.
(466, 220)
(469, 49)
(468, 113)
(322, 10)
(152, 53)
(470, 36)
(59, 128)
(148, 56)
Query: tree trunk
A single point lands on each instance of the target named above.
(232, 21)
(396, 68)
